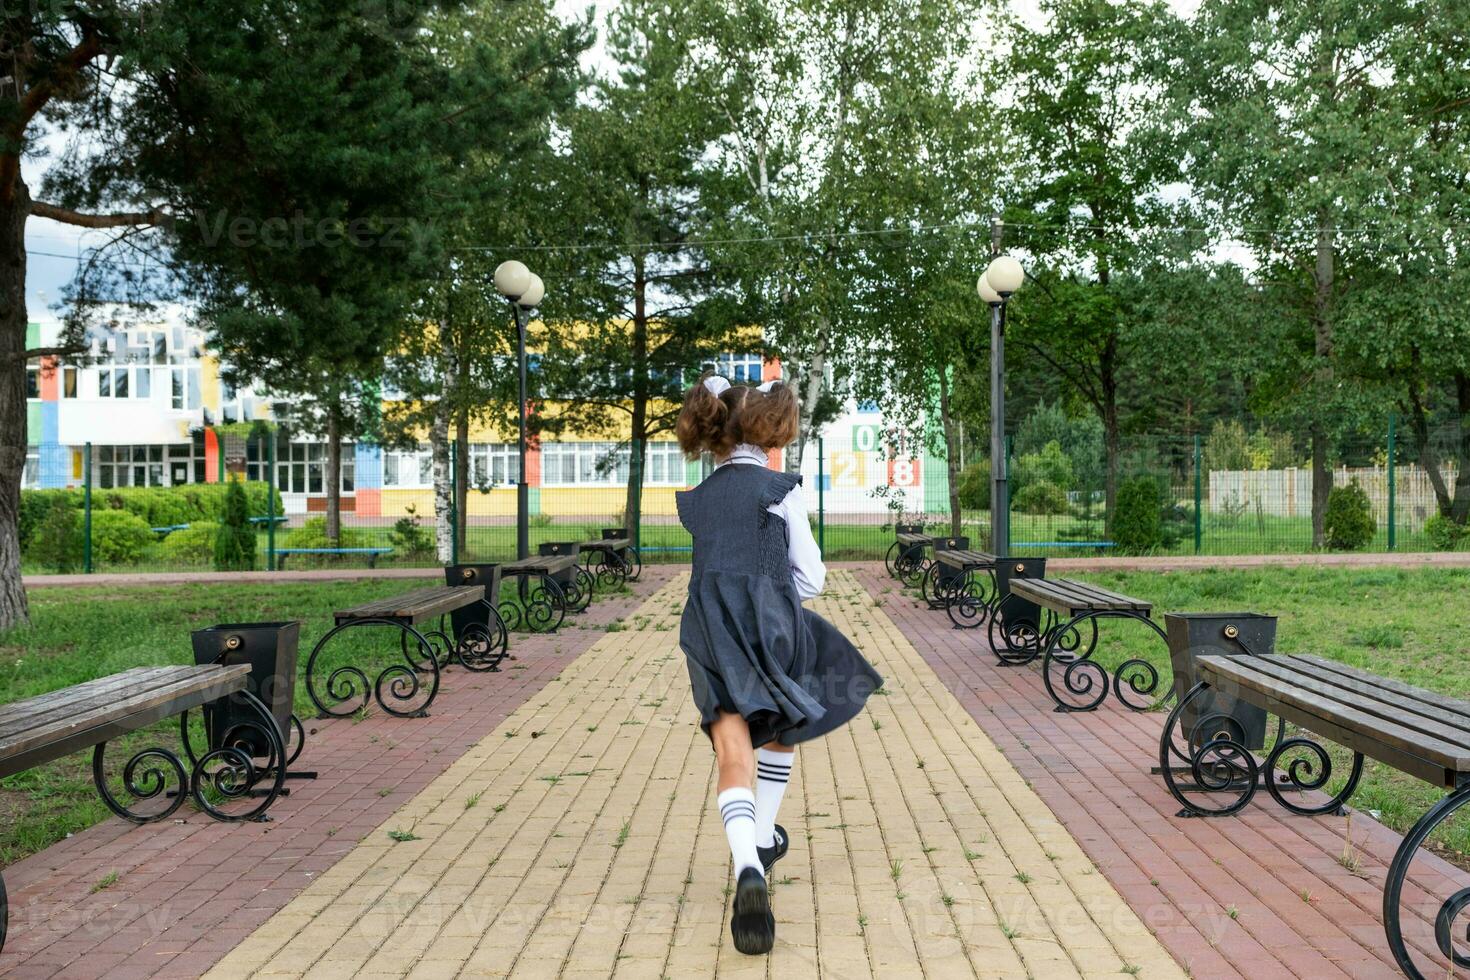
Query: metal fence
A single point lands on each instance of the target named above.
(105, 511)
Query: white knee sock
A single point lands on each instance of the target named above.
(772, 770)
(737, 809)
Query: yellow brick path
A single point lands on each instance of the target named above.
(578, 840)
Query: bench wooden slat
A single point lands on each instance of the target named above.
(1365, 696)
(1416, 753)
(549, 564)
(606, 544)
(1066, 595)
(19, 715)
(960, 558)
(1428, 699)
(912, 539)
(417, 606)
(191, 686)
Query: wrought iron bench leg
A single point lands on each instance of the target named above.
(1449, 911)
(1080, 674)
(228, 771)
(349, 684)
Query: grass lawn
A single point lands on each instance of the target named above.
(83, 633)
(1408, 624)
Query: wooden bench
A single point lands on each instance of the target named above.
(1415, 731)
(346, 690)
(969, 598)
(544, 605)
(371, 553)
(615, 555)
(1073, 679)
(906, 560)
(89, 715)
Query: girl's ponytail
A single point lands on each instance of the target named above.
(704, 420)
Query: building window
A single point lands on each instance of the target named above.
(583, 463)
(408, 469)
(123, 382)
(301, 467)
(33, 382)
(131, 466)
(494, 464)
(740, 367)
(69, 382)
(30, 477)
(665, 465)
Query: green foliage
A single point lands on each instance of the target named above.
(192, 546)
(1137, 521)
(36, 505)
(409, 536)
(1229, 447)
(157, 506)
(1444, 533)
(1081, 440)
(313, 534)
(974, 488)
(1050, 465)
(234, 540)
(1348, 522)
(118, 538)
(56, 539)
(1040, 497)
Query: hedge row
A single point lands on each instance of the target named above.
(156, 506)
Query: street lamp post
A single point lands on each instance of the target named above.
(1002, 278)
(523, 290)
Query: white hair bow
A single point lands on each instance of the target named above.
(716, 385)
(765, 387)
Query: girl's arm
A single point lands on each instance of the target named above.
(806, 558)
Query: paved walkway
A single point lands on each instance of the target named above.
(183, 893)
(1262, 894)
(918, 851)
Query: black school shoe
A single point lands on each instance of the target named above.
(751, 923)
(770, 855)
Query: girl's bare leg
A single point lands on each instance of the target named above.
(730, 736)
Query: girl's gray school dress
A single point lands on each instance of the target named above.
(750, 645)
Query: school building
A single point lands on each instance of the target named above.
(151, 403)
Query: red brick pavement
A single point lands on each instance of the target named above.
(1298, 912)
(189, 891)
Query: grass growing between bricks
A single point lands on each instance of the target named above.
(1405, 623)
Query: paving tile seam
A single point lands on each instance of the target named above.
(465, 761)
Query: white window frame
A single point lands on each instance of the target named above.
(741, 367)
(497, 464)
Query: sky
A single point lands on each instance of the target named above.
(54, 249)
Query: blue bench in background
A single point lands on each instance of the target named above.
(371, 553)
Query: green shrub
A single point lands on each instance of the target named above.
(1137, 524)
(1348, 523)
(1050, 465)
(118, 538)
(234, 540)
(192, 546)
(1040, 497)
(1444, 533)
(55, 538)
(974, 486)
(35, 505)
(409, 537)
(313, 534)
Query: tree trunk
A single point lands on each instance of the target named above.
(13, 609)
(334, 476)
(1418, 417)
(633, 504)
(1323, 286)
(461, 476)
(443, 501)
(1460, 507)
(811, 393)
(1112, 446)
(952, 452)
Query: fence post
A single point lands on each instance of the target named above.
(1010, 454)
(1199, 526)
(453, 503)
(270, 500)
(821, 498)
(87, 508)
(1392, 522)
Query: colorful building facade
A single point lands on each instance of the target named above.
(151, 407)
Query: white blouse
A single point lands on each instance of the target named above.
(806, 558)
